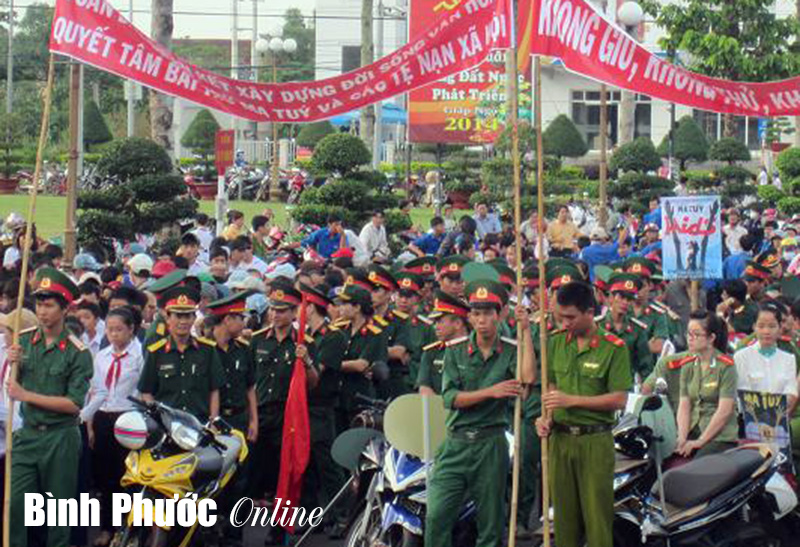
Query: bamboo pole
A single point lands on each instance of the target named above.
(48, 91)
(537, 99)
(513, 110)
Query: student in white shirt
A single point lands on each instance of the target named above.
(88, 314)
(116, 374)
(762, 366)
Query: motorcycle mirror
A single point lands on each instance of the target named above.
(348, 446)
(652, 404)
(661, 386)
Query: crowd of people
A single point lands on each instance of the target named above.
(210, 326)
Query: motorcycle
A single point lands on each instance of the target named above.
(173, 454)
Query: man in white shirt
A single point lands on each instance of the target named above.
(733, 232)
(361, 257)
(242, 257)
(373, 237)
(204, 235)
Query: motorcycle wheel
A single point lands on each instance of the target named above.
(372, 529)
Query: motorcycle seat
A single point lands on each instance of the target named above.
(704, 478)
(209, 462)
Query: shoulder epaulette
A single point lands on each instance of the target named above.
(508, 340)
(380, 320)
(262, 331)
(619, 342)
(435, 345)
(206, 341)
(400, 314)
(27, 331)
(309, 339)
(76, 342)
(639, 323)
(333, 326)
(667, 310)
(679, 363)
(725, 359)
(657, 308)
(242, 340)
(456, 341)
(786, 338)
(155, 346)
(425, 320)
(161, 329)
(374, 329)
(340, 323)
(601, 316)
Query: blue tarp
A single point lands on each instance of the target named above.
(391, 115)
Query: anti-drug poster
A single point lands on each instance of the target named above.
(691, 237)
(766, 420)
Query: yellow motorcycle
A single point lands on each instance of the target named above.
(173, 455)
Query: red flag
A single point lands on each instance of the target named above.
(296, 442)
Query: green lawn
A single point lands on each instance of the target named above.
(51, 212)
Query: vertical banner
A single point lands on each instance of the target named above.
(692, 237)
(468, 107)
(223, 150)
(766, 420)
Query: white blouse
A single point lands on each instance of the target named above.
(775, 374)
(114, 380)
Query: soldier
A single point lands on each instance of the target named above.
(419, 328)
(623, 290)
(449, 275)
(366, 349)
(589, 376)
(158, 328)
(654, 317)
(451, 316)
(274, 351)
(54, 370)
(756, 277)
(181, 370)
(425, 267)
(479, 378)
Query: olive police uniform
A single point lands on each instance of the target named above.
(46, 449)
(473, 462)
(237, 363)
(581, 444)
(324, 477)
(705, 385)
(368, 343)
(274, 361)
(158, 328)
(669, 368)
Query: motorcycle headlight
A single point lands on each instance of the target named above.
(185, 437)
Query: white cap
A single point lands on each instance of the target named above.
(90, 275)
(139, 263)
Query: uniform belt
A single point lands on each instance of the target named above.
(233, 410)
(50, 427)
(476, 434)
(578, 430)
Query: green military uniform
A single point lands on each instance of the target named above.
(744, 317)
(473, 462)
(581, 445)
(397, 332)
(158, 328)
(669, 368)
(432, 366)
(369, 343)
(634, 333)
(47, 448)
(704, 386)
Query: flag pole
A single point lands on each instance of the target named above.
(537, 99)
(48, 90)
(513, 122)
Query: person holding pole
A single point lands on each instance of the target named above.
(589, 376)
(479, 378)
(54, 371)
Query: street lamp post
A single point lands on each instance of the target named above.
(275, 45)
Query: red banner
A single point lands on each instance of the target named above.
(592, 46)
(93, 32)
(468, 107)
(223, 150)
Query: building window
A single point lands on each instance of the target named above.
(586, 116)
(351, 58)
(713, 126)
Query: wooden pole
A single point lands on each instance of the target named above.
(603, 156)
(694, 294)
(70, 245)
(48, 91)
(537, 99)
(513, 111)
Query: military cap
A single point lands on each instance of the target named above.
(353, 294)
(424, 266)
(640, 265)
(756, 272)
(444, 304)
(626, 283)
(51, 282)
(452, 265)
(530, 275)
(381, 278)
(170, 280)
(314, 296)
(235, 304)
(558, 262)
(602, 276)
(285, 297)
(562, 275)
(508, 277)
(409, 282)
(359, 278)
(769, 258)
(180, 299)
(485, 293)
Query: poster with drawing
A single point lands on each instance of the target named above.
(691, 237)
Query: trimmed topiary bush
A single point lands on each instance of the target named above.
(788, 163)
(132, 157)
(562, 139)
(639, 155)
(789, 205)
(733, 173)
(769, 194)
(95, 128)
(340, 153)
(690, 143)
(311, 133)
(729, 150)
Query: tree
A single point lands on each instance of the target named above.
(312, 133)
(639, 155)
(95, 128)
(690, 143)
(562, 138)
(740, 40)
(340, 153)
(129, 158)
(300, 65)
(201, 134)
(161, 26)
(729, 150)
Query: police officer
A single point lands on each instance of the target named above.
(181, 370)
(451, 317)
(479, 378)
(420, 328)
(274, 351)
(53, 377)
(589, 376)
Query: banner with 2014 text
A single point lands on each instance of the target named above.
(93, 32)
